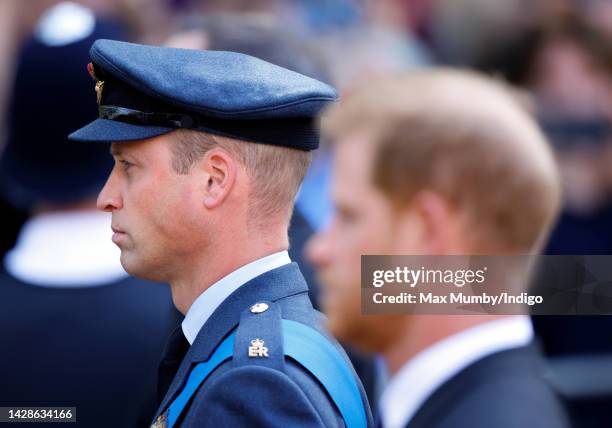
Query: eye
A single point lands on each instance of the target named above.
(346, 215)
(125, 164)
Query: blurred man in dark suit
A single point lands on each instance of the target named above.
(75, 329)
(440, 163)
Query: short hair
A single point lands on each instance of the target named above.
(276, 172)
(465, 137)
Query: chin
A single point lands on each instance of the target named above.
(341, 329)
(135, 267)
(355, 333)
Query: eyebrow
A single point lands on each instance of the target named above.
(115, 150)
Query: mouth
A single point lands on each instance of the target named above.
(118, 235)
(116, 230)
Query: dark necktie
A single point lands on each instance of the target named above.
(175, 351)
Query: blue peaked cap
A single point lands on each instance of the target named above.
(146, 91)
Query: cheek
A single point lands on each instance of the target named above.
(161, 208)
(352, 240)
(139, 203)
(408, 237)
(373, 234)
(178, 211)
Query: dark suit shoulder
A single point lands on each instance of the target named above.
(508, 402)
(505, 390)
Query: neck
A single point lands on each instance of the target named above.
(419, 332)
(221, 260)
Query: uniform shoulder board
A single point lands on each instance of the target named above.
(259, 337)
(264, 338)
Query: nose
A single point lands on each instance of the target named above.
(109, 198)
(318, 248)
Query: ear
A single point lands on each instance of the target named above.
(221, 170)
(438, 221)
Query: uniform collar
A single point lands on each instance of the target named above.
(414, 383)
(66, 249)
(204, 306)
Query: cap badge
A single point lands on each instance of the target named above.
(99, 83)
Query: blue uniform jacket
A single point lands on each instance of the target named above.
(262, 392)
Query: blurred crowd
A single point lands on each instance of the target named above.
(556, 53)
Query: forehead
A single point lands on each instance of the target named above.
(141, 148)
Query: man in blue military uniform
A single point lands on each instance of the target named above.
(210, 149)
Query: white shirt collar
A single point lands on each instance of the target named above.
(206, 303)
(408, 390)
(66, 249)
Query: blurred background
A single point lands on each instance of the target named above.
(559, 52)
